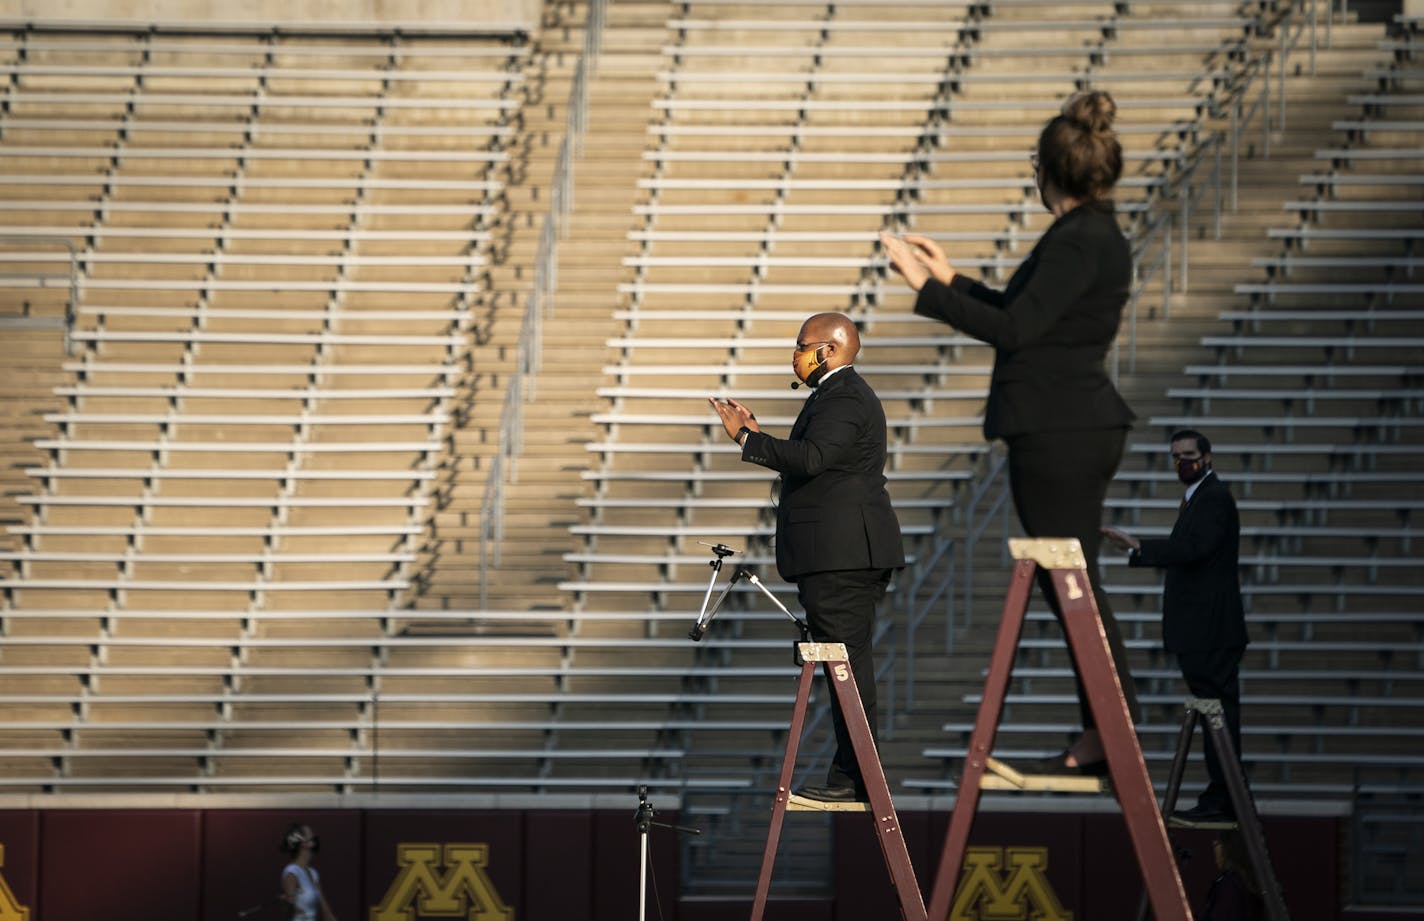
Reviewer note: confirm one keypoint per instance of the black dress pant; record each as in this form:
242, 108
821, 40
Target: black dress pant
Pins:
1059, 481
840, 608
1216, 673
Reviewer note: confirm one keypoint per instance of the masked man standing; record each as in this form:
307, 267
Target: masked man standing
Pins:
837, 536
1203, 619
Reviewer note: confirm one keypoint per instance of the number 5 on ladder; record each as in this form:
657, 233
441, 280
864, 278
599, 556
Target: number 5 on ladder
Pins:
887, 823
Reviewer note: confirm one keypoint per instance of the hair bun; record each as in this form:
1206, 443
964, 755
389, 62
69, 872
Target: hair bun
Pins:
1093, 109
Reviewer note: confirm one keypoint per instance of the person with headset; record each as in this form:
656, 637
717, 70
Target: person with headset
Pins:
301, 887
837, 536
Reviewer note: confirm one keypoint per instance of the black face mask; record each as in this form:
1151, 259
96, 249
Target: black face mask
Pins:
1189, 470
315, 844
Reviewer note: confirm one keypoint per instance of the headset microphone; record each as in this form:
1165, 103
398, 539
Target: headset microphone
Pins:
795, 385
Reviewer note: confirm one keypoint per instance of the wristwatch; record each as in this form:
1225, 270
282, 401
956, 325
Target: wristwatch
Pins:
742, 434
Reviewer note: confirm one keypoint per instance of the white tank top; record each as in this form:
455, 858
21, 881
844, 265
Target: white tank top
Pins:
308, 897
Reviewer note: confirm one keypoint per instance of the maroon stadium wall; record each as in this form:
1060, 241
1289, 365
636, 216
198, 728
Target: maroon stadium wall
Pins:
77, 864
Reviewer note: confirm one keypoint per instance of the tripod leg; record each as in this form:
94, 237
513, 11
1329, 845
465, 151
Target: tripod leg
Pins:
783, 790
643, 877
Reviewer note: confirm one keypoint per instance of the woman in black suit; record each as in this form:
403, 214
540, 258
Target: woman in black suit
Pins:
1050, 397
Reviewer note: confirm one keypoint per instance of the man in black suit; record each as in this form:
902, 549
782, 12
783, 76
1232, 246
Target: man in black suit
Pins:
837, 536
1203, 621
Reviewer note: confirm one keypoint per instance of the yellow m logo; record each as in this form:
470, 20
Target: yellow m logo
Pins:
10, 907
1006, 884
464, 890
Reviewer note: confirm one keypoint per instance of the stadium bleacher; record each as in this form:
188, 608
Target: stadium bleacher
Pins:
250, 509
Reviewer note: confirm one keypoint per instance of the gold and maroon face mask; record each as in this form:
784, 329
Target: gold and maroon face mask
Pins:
808, 363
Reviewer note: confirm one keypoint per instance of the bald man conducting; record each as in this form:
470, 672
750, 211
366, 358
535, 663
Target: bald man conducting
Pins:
837, 536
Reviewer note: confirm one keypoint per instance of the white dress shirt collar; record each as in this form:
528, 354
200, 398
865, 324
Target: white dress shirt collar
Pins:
1191, 490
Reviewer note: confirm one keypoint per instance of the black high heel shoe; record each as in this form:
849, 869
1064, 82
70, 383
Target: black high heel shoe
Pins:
1058, 765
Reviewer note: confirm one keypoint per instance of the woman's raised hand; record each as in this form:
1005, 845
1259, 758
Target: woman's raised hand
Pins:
917, 258
931, 256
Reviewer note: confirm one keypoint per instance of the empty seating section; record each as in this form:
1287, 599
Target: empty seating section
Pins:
780, 139
284, 242
281, 243
1313, 401
786, 135
762, 207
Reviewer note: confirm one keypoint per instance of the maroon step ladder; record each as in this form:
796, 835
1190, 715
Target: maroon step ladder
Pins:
1063, 559
1248, 822
881, 807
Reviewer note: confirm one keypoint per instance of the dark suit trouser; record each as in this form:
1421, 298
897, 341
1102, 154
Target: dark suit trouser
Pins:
1059, 481
840, 608
1216, 673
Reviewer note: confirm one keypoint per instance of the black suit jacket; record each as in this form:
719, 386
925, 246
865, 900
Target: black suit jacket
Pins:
834, 512
1051, 328
1201, 593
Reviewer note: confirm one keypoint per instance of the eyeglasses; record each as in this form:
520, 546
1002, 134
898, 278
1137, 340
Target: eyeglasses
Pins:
808, 346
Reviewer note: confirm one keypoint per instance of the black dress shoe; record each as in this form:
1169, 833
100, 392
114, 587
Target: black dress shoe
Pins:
1204, 814
1058, 765
830, 793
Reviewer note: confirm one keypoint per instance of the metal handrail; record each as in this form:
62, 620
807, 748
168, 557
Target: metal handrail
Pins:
538, 305
71, 306
974, 532
1165, 230
943, 589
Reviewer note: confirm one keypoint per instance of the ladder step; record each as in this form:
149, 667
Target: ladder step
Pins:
1174, 822
796, 803
1004, 777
